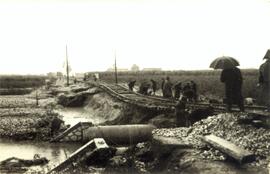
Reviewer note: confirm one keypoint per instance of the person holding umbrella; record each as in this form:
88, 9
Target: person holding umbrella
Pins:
232, 78
264, 80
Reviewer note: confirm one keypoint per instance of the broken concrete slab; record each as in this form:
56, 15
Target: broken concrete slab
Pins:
239, 154
93, 151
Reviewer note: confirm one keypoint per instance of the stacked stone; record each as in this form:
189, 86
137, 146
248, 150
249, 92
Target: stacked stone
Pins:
21, 112
16, 102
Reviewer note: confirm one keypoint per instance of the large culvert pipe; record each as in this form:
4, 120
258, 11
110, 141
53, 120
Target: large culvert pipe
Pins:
120, 134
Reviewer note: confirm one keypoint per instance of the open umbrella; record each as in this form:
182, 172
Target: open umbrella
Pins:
224, 62
267, 55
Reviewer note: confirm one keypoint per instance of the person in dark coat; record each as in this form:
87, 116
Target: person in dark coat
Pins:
181, 114
162, 86
194, 88
188, 92
264, 81
233, 87
177, 90
154, 86
131, 85
143, 89
167, 89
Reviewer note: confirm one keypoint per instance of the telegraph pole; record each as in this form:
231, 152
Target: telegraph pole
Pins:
67, 68
115, 68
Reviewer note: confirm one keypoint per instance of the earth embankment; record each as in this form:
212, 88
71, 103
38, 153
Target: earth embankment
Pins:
101, 105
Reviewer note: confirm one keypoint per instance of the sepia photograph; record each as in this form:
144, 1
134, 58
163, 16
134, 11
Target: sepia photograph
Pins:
134, 86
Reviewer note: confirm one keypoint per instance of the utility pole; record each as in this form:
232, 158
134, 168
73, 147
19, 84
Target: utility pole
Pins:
36, 96
67, 68
115, 68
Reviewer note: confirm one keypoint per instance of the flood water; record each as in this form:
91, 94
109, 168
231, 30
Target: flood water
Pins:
55, 152
74, 115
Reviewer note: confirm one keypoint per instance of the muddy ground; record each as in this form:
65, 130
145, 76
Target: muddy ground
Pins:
30, 121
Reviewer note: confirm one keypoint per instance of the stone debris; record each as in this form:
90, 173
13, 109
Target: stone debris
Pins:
35, 125
16, 102
226, 125
21, 119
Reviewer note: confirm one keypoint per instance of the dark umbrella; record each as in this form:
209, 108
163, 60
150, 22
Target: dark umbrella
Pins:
267, 55
224, 62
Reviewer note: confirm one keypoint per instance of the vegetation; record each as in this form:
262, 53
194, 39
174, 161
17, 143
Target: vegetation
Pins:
208, 81
18, 84
19, 81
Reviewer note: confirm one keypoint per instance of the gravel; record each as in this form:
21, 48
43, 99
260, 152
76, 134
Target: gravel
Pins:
226, 125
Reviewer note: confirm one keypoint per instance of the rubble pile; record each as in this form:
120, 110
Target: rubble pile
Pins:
227, 126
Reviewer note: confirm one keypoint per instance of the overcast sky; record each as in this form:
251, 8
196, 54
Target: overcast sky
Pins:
170, 34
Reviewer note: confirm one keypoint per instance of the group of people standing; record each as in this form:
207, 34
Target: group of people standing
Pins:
180, 90
231, 77
184, 91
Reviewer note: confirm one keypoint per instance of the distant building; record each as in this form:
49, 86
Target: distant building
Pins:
135, 68
151, 69
118, 69
79, 75
52, 74
59, 74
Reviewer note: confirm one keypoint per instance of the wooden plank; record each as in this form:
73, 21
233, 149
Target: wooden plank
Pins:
237, 153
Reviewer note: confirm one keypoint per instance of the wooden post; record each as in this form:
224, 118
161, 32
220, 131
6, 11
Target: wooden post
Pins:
115, 68
67, 68
37, 96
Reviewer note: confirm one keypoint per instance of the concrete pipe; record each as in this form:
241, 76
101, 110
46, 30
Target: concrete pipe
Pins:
120, 134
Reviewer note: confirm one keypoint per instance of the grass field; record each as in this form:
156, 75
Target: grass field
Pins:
19, 85
19, 81
208, 81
